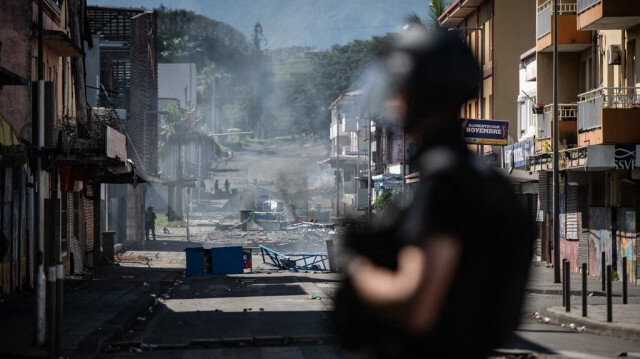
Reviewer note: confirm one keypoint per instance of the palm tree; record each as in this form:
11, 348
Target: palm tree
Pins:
436, 8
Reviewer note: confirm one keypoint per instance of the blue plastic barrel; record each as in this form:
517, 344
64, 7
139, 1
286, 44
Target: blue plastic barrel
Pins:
227, 260
195, 261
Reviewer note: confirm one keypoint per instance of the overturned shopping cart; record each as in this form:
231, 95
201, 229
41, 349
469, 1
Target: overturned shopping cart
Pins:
294, 261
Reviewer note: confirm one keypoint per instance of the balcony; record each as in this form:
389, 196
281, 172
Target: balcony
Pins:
456, 14
607, 14
609, 115
567, 129
587, 158
569, 38
90, 141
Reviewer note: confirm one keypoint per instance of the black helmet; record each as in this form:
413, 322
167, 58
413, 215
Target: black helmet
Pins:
434, 70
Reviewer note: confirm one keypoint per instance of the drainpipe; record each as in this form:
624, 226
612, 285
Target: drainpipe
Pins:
38, 141
596, 60
623, 67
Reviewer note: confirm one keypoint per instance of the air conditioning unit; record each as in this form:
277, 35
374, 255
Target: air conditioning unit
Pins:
614, 55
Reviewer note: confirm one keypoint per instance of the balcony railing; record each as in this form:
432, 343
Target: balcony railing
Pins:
350, 150
583, 5
545, 15
565, 111
591, 104
544, 19
89, 137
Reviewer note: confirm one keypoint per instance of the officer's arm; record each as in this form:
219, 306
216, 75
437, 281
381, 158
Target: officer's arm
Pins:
414, 293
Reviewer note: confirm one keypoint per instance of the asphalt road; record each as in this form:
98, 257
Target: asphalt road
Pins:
285, 315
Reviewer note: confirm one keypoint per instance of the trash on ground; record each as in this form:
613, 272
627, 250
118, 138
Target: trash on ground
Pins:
148, 346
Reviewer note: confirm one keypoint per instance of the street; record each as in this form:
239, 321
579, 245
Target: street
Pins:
284, 314
281, 314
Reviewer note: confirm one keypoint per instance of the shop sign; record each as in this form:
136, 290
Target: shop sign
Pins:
485, 132
516, 155
392, 184
626, 157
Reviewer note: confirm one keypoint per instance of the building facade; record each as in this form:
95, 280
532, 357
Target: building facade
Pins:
598, 132
82, 148
126, 77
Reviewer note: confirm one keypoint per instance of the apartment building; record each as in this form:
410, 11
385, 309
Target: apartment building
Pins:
599, 131
124, 69
350, 147
82, 148
498, 32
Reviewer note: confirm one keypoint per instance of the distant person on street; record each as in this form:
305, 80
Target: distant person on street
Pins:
443, 277
150, 222
226, 185
216, 188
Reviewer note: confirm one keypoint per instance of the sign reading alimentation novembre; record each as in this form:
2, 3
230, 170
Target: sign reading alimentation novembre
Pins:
485, 132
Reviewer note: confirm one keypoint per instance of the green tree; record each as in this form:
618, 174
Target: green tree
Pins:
436, 8
340, 70
381, 201
220, 52
306, 82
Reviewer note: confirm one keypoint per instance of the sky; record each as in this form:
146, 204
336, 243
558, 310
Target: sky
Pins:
315, 23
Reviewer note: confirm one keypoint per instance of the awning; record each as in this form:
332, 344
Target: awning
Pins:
455, 14
185, 182
518, 175
121, 178
8, 78
344, 160
12, 152
123, 174
72, 178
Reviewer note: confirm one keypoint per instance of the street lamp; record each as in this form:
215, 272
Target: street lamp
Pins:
556, 181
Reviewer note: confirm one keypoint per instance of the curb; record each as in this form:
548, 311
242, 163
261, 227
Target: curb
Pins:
557, 316
230, 342
574, 293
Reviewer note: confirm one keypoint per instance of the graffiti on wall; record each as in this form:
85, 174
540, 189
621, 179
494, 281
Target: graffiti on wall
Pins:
570, 250
599, 238
626, 237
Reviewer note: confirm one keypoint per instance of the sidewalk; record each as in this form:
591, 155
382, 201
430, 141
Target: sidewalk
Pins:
97, 307
626, 317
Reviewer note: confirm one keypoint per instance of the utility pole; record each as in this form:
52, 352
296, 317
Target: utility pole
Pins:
358, 167
556, 181
337, 164
369, 171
